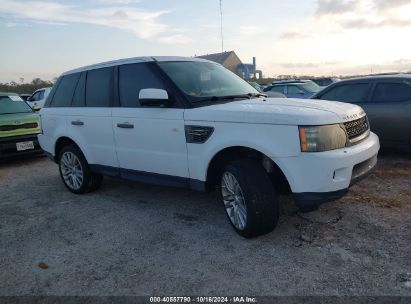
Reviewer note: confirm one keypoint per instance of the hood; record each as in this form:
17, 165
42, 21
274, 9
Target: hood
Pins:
19, 124
282, 111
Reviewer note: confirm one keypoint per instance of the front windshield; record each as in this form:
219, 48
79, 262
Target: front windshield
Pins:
202, 80
311, 86
10, 106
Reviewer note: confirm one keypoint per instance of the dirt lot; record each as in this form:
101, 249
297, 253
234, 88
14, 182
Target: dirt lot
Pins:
133, 239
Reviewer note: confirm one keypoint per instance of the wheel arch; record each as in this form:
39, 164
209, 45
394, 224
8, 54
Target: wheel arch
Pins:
61, 142
230, 153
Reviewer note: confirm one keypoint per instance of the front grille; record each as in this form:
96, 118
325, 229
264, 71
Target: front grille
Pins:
31, 125
357, 127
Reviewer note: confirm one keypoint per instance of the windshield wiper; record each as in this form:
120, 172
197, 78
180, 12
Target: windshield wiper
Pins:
228, 97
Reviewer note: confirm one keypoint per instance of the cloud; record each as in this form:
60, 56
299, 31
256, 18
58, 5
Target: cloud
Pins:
366, 24
390, 4
295, 35
119, 1
142, 23
299, 65
364, 14
309, 65
335, 7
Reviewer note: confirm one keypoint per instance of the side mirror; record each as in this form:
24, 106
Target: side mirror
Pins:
154, 98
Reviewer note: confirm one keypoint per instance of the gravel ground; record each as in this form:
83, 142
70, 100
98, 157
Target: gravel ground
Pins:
133, 239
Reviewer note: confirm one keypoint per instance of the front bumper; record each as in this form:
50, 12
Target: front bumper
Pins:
319, 177
8, 148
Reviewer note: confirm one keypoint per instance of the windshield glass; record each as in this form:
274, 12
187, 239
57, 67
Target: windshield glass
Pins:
9, 106
311, 86
200, 80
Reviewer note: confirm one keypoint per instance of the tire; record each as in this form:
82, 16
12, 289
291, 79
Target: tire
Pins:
96, 181
75, 171
259, 198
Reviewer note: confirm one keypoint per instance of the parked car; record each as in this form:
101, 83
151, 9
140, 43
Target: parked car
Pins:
24, 96
191, 123
256, 86
37, 99
294, 88
325, 81
385, 99
273, 94
19, 127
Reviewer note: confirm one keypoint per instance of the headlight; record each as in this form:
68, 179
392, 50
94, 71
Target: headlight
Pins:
322, 138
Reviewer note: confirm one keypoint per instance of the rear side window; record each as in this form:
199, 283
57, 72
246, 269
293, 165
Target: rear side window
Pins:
133, 78
356, 92
65, 91
392, 92
79, 98
99, 87
279, 89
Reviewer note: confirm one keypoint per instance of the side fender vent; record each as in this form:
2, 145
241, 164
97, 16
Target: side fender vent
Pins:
198, 134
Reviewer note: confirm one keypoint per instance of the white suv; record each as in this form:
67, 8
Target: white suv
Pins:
38, 98
191, 123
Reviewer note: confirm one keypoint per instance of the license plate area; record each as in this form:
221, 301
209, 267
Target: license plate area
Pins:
25, 145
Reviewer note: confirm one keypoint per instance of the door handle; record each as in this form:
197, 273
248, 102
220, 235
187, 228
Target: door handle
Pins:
125, 125
77, 123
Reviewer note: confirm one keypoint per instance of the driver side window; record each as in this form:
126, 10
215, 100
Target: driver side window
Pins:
347, 93
132, 78
292, 89
35, 97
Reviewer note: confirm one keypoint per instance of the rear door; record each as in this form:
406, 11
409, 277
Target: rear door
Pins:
389, 110
148, 139
89, 120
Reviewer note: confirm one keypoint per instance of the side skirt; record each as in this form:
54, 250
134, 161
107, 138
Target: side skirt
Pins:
150, 178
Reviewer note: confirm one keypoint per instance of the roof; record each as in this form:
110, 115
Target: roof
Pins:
380, 77
132, 60
288, 82
217, 57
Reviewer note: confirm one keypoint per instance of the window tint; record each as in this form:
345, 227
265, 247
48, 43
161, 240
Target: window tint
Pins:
98, 87
356, 92
392, 92
133, 78
294, 90
279, 89
65, 91
79, 98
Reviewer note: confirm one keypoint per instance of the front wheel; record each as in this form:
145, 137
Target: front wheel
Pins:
75, 171
249, 198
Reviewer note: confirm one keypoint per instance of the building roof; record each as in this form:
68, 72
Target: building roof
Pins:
217, 57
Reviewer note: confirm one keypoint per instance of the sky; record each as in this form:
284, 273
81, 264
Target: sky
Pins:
304, 37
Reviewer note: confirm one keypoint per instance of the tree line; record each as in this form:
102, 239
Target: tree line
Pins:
25, 88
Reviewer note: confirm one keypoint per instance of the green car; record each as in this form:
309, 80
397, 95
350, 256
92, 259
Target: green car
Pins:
19, 126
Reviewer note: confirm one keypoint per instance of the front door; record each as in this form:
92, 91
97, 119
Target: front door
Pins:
150, 141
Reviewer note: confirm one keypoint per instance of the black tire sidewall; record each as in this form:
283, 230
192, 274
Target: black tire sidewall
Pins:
259, 194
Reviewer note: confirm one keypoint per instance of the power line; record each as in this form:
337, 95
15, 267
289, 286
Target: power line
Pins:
221, 27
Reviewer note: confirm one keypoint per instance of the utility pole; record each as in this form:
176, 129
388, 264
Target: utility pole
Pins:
221, 27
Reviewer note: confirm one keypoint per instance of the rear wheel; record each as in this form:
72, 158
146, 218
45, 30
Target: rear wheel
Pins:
75, 171
249, 198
